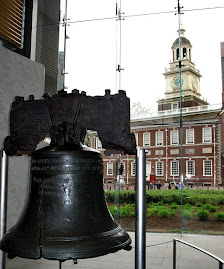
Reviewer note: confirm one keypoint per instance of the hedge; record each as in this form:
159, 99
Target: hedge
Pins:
193, 197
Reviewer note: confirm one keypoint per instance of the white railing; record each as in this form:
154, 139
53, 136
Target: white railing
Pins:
176, 69
185, 110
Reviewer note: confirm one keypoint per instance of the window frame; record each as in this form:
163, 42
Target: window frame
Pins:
110, 168
159, 138
187, 168
133, 168
204, 135
136, 138
98, 143
148, 167
204, 168
188, 136
172, 168
159, 168
144, 140
172, 138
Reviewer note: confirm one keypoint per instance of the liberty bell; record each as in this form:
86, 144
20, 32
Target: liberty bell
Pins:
66, 215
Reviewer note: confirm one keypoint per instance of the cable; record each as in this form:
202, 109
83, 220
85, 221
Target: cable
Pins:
132, 15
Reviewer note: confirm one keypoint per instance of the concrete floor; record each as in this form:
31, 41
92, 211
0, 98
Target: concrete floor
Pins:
159, 254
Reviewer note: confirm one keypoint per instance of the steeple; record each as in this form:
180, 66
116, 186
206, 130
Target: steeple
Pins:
182, 30
190, 76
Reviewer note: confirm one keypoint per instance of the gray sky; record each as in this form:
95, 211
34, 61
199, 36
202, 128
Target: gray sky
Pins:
93, 46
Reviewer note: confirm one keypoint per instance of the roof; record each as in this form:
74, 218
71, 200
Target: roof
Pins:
183, 40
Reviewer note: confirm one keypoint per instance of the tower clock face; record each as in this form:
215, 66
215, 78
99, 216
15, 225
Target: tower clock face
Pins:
175, 83
194, 84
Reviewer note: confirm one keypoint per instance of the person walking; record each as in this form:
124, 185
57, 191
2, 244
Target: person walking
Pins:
166, 185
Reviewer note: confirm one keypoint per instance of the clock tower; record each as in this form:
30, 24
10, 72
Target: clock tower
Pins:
190, 78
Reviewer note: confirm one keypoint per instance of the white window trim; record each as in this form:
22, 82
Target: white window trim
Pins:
136, 138
171, 166
187, 167
157, 133
111, 167
146, 142
148, 168
172, 138
133, 172
160, 175
98, 143
203, 136
187, 136
204, 168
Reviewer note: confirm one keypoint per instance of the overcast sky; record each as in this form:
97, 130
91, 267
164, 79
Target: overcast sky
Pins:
93, 46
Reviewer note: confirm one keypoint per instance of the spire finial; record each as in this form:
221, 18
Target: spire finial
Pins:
181, 29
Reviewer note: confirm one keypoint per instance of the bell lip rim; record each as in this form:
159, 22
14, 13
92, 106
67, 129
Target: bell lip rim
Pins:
41, 253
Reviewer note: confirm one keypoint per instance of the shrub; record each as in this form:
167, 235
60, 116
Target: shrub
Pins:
174, 205
163, 213
203, 215
187, 206
187, 214
127, 211
209, 207
193, 197
219, 216
151, 211
173, 214
123, 212
113, 210
198, 204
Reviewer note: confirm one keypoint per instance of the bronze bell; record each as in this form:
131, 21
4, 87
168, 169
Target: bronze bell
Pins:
66, 216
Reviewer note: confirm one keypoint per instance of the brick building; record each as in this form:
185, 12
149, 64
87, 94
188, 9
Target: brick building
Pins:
195, 148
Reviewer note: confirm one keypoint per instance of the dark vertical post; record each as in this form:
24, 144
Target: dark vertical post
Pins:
140, 218
3, 169
174, 253
220, 265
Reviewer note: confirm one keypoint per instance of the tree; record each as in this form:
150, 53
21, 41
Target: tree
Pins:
138, 110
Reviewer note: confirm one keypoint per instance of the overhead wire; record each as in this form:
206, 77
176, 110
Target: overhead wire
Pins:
132, 15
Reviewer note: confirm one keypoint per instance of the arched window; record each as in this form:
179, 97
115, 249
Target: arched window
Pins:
190, 54
184, 53
177, 54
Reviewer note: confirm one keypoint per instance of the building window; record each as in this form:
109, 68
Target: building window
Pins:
159, 138
177, 54
133, 168
136, 138
174, 106
174, 139
98, 143
190, 168
148, 170
11, 21
207, 135
190, 136
159, 168
207, 168
110, 169
146, 139
184, 53
174, 168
